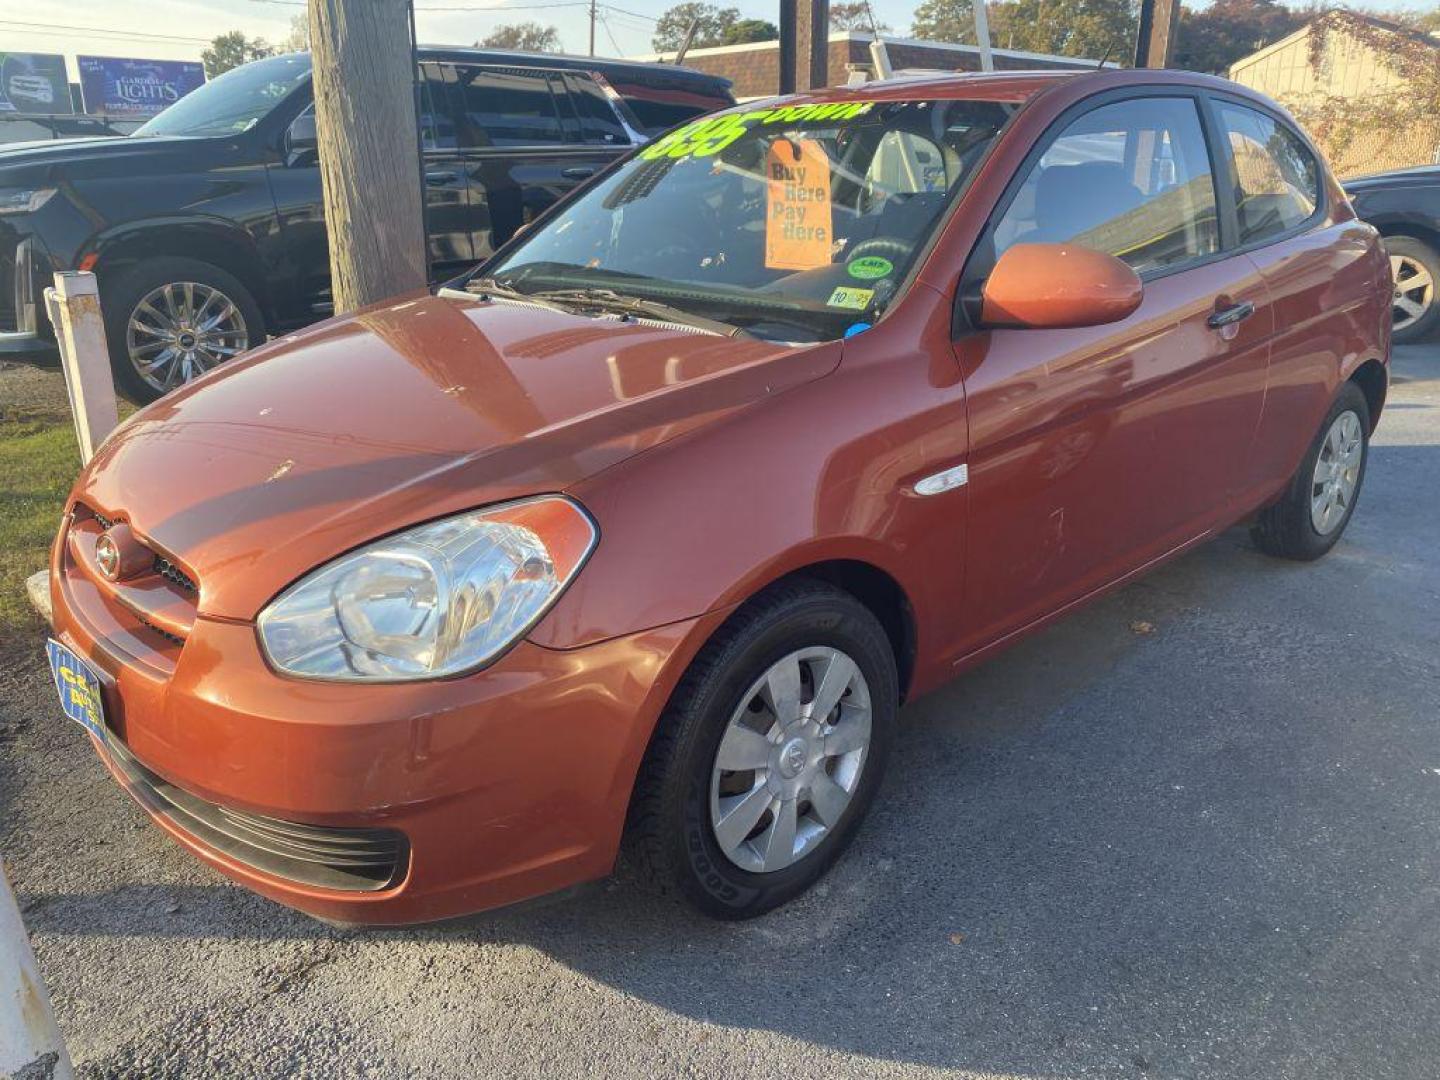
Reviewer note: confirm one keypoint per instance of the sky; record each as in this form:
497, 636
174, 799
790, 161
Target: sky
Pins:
180, 29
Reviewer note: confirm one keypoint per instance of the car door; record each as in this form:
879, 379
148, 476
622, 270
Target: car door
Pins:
300, 201
1319, 268
1096, 450
523, 145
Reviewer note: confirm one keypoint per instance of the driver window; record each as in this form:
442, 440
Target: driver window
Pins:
1131, 179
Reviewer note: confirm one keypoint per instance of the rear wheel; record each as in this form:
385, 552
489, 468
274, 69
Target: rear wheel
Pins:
1312, 514
170, 320
769, 754
1415, 296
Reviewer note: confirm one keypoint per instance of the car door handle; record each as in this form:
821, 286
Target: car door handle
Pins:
438, 178
578, 172
1229, 316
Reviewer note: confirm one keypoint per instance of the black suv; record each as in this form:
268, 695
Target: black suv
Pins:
205, 225
1405, 206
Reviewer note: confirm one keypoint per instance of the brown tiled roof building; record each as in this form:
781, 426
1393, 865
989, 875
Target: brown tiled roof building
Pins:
755, 68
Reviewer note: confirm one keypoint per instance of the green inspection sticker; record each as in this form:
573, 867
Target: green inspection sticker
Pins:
856, 299
870, 267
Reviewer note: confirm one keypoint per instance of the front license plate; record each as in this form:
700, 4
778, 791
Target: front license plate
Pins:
79, 689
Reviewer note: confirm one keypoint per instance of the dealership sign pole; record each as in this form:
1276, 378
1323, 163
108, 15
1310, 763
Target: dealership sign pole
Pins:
74, 308
30, 1042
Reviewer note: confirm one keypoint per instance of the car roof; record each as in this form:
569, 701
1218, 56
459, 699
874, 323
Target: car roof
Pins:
1012, 86
653, 74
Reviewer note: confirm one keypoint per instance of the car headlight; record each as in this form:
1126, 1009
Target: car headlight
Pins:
23, 200
437, 600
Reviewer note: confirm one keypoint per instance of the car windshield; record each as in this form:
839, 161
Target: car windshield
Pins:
233, 103
795, 223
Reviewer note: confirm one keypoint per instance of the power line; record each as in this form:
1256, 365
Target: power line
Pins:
96, 31
611, 35
485, 9
636, 14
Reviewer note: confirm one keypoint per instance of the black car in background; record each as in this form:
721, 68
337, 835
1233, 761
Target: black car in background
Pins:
205, 226
1405, 206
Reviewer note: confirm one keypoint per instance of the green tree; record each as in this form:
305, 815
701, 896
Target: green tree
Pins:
1089, 28
1214, 38
298, 39
945, 20
713, 22
525, 36
853, 16
746, 30
232, 49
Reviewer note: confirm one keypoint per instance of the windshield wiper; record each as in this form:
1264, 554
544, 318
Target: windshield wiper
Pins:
481, 288
609, 300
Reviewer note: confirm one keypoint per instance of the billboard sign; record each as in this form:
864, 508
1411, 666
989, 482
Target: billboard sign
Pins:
139, 88
34, 83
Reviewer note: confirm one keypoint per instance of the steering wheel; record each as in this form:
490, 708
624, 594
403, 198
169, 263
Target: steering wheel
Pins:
889, 247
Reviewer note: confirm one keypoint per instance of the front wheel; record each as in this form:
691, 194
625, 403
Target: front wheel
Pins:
1312, 514
769, 754
170, 320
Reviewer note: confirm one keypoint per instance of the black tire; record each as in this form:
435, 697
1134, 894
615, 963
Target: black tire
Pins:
1425, 327
1287, 528
122, 294
669, 839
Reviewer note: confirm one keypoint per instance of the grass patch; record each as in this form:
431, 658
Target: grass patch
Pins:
38, 463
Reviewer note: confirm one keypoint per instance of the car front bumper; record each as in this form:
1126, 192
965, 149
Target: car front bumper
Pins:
492, 788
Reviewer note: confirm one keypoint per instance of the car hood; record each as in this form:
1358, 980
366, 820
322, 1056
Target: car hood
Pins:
39, 158
318, 442
1419, 174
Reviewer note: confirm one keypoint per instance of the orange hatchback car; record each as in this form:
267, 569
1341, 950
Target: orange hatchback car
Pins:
640, 535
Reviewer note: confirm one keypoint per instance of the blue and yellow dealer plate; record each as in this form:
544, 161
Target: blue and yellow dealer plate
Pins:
79, 689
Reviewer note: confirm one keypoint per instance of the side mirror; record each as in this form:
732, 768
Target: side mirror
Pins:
1053, 286
300, 139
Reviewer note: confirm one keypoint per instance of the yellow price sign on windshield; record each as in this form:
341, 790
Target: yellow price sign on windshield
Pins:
798, 228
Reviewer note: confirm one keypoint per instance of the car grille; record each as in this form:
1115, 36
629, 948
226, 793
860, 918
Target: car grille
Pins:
162, 602
348, 859
173, 574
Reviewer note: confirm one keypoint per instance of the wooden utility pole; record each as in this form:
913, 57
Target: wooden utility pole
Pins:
788, 48
804, 45
592, 27
1156, 34
363, 56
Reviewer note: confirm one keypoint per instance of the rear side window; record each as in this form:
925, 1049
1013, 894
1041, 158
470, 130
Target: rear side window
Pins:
598, 122
657, 109
1277, 181
503, 107
1131, 179
437, 125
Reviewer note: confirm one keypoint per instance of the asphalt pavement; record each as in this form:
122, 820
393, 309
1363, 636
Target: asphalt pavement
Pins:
1188, 832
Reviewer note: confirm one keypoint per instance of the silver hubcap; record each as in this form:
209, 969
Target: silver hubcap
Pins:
1337, 473
182, 329
1414, 291
790, 759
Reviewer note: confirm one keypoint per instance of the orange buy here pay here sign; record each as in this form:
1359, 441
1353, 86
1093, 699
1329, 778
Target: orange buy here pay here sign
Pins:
798, 234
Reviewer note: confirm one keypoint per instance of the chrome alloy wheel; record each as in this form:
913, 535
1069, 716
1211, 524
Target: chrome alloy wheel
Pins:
790, 759
181, 329
1414, 291
1337, 473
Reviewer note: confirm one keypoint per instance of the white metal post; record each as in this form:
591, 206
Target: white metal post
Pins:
30, 1042
982, 35
74, 306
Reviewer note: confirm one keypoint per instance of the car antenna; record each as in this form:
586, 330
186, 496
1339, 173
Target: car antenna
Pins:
1108, 50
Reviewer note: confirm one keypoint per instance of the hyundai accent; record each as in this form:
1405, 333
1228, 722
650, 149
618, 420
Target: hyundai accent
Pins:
639, 535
